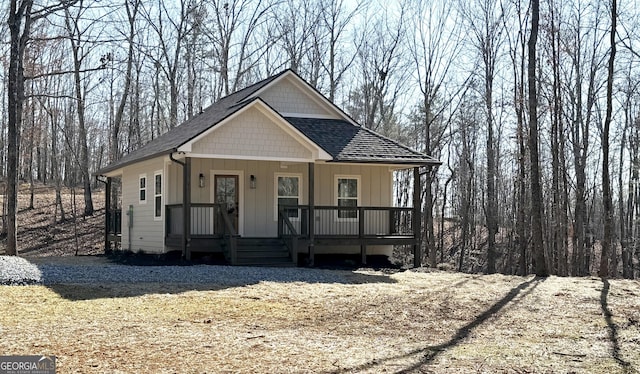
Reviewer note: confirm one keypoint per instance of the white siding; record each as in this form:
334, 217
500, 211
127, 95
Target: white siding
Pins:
251, 134
258, 204
146, 234
285, 97
375, 183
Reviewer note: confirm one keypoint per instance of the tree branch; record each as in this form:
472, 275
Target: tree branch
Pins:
55, 73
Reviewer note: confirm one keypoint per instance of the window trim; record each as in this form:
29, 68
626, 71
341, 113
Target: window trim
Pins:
145, 188
156, 194
358, 198
276, 196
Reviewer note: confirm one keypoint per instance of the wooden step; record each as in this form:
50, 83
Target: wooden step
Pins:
261, 241
263, 252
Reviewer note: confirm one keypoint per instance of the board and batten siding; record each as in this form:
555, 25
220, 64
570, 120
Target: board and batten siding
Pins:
257, 205
251, 134
147, 234
376, 185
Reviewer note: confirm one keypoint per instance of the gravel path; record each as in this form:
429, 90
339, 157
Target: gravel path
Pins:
20, 271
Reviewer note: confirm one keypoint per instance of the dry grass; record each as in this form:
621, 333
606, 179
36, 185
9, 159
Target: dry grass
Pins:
405, 322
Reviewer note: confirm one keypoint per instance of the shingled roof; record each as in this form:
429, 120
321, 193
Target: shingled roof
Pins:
348, 143
212, 115
343, 140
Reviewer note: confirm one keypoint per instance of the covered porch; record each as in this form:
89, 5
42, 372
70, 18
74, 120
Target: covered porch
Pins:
300, 228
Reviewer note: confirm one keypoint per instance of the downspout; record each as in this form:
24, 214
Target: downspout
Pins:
186, 216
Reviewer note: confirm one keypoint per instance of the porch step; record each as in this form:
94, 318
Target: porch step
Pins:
263, 252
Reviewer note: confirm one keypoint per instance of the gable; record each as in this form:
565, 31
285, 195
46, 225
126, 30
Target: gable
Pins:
287, 98
251, 134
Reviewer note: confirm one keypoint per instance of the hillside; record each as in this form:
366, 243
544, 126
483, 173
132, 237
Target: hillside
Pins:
38, 235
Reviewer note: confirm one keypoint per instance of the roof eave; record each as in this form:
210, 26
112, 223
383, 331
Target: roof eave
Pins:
110, 171
402, 162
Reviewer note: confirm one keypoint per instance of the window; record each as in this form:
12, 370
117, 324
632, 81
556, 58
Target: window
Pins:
288, 190
157, 195
142, 187
348, 192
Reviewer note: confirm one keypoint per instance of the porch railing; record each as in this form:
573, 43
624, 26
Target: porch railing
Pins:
355, 222
229, 234
288, 233
207, 221
114, 221
203, 220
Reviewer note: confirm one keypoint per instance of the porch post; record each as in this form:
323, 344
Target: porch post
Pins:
107, 215
417, 219
186, 208
311, 219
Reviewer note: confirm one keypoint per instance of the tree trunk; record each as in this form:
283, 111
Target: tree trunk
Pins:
114, 152
75, 38
490, 208
536, 189
624, 239
82, 134
633, 209
606, 180
19, 35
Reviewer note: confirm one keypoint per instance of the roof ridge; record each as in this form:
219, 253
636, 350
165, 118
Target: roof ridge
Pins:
251, 89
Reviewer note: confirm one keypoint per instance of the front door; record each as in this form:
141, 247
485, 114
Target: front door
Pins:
227, 194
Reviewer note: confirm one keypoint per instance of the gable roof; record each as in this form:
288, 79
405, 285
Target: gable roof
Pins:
342, 139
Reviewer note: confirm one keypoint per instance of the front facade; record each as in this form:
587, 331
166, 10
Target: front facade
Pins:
274, 163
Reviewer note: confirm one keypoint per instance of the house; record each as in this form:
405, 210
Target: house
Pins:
265, 174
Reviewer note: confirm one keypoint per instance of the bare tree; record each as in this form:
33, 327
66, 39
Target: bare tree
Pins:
486, 25
232, 31
558, 241
381, 70
21, 17
627, 203
434, 47
517, 54
606, 180
335, 19
582, 45
131, 7
296, 22
536, 188
171, 30
467, 121
78, 37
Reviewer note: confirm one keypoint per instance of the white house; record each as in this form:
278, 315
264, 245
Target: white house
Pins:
267, 173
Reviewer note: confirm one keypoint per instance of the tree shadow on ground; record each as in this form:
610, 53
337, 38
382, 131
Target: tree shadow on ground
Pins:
430, 353
613, 328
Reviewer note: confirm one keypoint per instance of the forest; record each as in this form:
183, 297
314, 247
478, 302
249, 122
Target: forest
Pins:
533, 107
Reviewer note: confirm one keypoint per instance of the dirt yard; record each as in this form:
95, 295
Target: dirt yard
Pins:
39, 234
376, 322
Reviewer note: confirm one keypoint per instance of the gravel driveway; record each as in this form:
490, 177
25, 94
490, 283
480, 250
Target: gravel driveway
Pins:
21, 271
